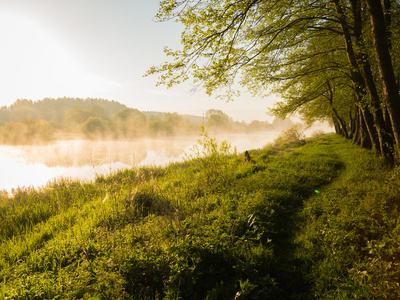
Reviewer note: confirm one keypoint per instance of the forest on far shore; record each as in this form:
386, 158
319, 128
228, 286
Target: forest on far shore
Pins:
28, 122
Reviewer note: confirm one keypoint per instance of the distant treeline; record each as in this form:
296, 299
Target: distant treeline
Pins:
27, 121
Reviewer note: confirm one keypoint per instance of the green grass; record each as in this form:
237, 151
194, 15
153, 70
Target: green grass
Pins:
215, 227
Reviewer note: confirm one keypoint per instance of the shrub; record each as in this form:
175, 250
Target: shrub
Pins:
294, 135
212, 161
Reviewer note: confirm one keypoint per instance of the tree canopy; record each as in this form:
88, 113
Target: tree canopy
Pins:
333, 60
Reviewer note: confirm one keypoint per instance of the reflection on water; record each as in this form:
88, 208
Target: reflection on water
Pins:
78, 153
37, 165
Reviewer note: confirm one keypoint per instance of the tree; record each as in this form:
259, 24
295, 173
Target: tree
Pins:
268, 45
217, 120
319, 86
76, 115
98, 111
94, 127
390, 89
4, 115
225, 38
256, 125
130, 122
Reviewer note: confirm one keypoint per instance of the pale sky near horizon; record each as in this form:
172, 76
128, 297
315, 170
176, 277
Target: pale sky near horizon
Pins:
98, 49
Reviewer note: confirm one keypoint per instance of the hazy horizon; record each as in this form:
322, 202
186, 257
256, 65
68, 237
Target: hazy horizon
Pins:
99, 49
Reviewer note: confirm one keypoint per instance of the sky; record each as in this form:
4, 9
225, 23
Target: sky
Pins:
99, 49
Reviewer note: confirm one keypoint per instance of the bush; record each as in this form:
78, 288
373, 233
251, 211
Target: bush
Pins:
294, 135
212, 161
94, 127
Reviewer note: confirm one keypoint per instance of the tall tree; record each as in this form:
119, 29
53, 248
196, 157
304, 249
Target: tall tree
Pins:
359, 81
386, 71
293, 45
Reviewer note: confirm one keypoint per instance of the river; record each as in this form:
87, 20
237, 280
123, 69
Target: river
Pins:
35, 166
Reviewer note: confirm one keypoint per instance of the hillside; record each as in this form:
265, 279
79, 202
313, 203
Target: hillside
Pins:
50, 109
297, 221
28, 122
47, 120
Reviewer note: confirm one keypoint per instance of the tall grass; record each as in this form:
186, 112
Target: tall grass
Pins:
217, 226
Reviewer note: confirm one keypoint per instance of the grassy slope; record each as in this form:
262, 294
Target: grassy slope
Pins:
350, 235
219, 227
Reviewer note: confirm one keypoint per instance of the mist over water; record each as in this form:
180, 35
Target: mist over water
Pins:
83, 159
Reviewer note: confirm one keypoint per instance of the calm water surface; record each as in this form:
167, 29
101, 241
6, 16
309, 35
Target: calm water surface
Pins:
37, 165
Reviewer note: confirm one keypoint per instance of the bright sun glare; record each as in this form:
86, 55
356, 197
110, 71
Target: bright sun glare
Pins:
35, 65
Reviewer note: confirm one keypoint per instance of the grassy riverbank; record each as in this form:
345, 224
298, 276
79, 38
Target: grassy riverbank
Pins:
313, 221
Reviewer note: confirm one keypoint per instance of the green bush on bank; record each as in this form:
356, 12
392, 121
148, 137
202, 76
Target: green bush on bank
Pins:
295, 222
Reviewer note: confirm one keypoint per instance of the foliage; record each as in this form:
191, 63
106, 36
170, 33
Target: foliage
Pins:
258, 231
295, 134
52, 119
211, 160
328, 60
50, 109
217, 120
28, 130
129, 123
94, 127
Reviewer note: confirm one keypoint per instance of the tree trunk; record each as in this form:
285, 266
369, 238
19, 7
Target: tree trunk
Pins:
340, 123
371, 129
365, 137
358, 81
353, 123
361, 136
336, 125
387, 4
374, 99
357, 127
386, 72
385, 140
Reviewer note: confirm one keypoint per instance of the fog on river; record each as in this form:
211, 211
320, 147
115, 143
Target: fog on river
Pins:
36, 165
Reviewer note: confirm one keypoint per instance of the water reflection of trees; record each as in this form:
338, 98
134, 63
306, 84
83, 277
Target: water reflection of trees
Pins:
80, 153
